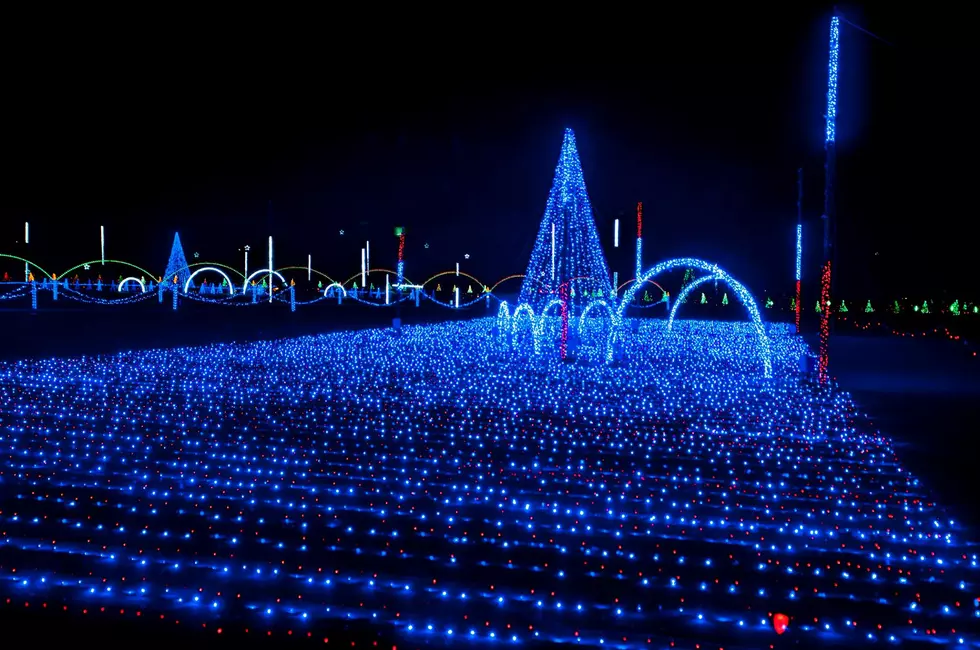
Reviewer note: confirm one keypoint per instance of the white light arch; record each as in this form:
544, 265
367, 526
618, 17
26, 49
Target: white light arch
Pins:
262, 272
332, 285
134, 279
187, 283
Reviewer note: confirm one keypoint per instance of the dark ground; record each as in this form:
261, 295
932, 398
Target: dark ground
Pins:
923, 393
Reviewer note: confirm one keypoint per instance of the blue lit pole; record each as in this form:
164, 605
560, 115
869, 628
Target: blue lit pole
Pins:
639, 241
830, 172
799, 244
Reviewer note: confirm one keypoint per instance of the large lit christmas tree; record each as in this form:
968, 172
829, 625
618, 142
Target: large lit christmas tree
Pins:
567, 258
177, 265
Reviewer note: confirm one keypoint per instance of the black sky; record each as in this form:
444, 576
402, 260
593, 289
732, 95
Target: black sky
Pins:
151, 124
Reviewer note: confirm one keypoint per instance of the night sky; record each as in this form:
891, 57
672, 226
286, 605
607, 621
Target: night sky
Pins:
157, 126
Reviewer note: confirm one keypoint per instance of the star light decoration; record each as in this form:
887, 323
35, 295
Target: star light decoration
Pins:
433, 485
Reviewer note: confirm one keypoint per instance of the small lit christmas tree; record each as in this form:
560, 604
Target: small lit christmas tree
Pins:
817, 307
704, 299
955, 308
769, 302
896, 308
646, 296
724, 298
868, 309
925, 307
843, 307
688, 278
792, 304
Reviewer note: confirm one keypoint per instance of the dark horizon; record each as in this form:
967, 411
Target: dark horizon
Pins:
706, 126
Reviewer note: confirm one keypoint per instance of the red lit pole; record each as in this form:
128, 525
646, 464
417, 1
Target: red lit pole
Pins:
563, 295
829, 204
401, 257
639, 240
799, 244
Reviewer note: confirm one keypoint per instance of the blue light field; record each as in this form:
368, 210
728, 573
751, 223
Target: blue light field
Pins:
449, 484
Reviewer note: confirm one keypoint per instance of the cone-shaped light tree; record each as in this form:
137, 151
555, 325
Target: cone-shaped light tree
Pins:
177, 265
567, 256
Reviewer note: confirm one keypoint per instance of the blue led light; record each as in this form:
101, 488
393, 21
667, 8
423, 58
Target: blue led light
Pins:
475, 493
799, 252
832, 68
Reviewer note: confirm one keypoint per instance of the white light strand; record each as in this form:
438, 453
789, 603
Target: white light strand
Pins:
552, 253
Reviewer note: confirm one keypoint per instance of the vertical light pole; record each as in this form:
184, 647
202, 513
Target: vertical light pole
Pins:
309, 267
27, 240
799, 244
639, 240
552, 253
363, 269
270, 268
247, 249
102, 241
400, 233
830, 171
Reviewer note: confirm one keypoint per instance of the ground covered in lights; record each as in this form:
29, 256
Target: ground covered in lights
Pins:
447, 483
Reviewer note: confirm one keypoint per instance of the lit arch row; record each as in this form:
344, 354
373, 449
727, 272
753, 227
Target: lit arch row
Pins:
231, 272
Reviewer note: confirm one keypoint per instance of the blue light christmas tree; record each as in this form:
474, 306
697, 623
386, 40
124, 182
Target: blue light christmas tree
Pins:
567, 255
176, 265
